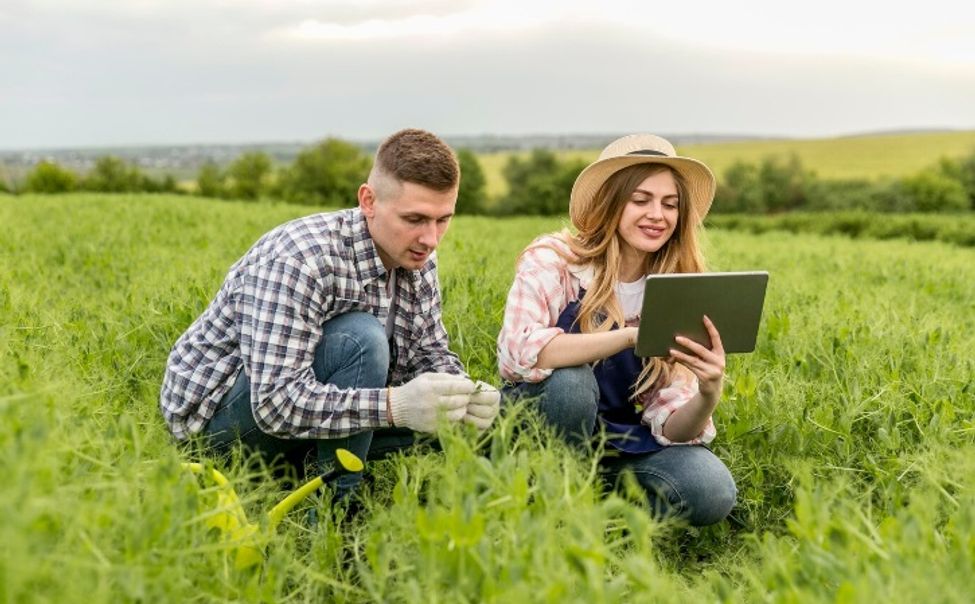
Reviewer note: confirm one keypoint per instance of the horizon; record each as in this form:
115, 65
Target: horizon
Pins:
699, 138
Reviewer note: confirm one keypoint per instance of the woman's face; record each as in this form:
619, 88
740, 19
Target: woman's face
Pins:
650, 216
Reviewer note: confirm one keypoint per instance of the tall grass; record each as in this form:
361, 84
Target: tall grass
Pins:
850, 431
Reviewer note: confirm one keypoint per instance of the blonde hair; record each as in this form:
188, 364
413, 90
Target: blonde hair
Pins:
597, 243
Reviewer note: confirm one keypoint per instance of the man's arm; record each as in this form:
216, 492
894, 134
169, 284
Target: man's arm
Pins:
433, 353
280, 310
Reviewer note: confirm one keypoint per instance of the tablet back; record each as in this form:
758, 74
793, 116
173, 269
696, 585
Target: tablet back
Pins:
674, 304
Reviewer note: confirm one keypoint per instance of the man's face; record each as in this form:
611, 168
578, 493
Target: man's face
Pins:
407, 226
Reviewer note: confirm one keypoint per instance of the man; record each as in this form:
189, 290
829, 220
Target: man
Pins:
328, 331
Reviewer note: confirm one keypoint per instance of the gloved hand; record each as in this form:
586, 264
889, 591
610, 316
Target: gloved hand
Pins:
415, 404
483, 406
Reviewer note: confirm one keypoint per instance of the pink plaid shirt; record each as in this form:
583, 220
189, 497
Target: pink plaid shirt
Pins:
544, 285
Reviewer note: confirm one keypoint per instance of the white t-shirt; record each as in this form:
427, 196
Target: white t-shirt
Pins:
630, 296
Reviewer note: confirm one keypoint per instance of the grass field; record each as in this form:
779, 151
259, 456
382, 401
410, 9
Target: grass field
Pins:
869, 157
850, 432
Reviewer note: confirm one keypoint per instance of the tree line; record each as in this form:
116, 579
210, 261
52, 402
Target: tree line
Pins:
329, 173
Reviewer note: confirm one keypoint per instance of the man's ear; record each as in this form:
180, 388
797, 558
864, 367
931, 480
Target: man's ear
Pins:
367, 200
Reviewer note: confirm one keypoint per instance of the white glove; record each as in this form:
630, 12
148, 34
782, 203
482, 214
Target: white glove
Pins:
417, 403
483, 406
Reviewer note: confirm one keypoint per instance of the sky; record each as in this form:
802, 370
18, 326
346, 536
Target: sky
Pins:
89, 73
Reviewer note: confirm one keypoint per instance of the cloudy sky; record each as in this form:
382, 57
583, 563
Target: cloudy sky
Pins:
119, 72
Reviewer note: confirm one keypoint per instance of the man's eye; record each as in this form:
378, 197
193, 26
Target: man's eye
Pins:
414, 220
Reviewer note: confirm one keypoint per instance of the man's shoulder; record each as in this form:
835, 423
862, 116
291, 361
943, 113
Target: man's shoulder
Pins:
310, 239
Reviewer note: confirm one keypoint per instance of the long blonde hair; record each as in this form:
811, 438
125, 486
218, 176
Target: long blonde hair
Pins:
597, 243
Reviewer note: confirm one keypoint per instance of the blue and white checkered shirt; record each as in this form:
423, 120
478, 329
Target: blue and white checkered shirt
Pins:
267, 318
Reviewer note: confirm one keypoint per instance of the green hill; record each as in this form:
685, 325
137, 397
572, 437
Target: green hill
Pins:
868, 156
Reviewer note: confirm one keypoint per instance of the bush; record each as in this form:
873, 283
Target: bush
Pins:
963, 171
772, 186
113, 175
740, 190
210, 181
933, 191
540, 184
249, 175
472, 196
48, 177
327, 174
783, 184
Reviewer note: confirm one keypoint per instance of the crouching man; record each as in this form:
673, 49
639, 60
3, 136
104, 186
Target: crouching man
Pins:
327, 333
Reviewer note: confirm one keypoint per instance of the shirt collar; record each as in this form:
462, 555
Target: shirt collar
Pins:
366, 258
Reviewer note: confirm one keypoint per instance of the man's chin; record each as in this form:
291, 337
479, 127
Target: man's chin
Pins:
414, 262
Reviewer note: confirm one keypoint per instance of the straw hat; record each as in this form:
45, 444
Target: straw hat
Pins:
641, 149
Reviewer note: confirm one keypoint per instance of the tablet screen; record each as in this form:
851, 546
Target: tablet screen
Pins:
675, 304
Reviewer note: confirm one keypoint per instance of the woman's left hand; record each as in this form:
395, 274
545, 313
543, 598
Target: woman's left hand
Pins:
707, 364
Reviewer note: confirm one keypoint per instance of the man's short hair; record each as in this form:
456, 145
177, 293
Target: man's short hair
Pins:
420, 157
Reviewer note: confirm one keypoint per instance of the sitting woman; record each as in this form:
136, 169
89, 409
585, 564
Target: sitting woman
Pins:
570, 326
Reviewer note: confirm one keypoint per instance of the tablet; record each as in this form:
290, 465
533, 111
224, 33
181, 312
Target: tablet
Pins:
674, 304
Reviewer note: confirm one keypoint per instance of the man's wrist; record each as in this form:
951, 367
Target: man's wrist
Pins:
389, 411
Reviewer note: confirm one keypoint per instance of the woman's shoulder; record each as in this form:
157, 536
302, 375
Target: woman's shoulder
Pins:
550, 248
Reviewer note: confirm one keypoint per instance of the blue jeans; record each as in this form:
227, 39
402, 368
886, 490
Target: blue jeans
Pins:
353, 353
685, 481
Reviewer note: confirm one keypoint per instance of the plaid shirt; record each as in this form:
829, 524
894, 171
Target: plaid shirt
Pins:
544, 286
268, 318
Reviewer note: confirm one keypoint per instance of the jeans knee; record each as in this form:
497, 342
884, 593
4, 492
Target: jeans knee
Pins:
570, 400
708, 494
688, 482
353, 340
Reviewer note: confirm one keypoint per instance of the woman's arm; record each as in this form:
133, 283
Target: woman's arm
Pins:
708, 365
570, 349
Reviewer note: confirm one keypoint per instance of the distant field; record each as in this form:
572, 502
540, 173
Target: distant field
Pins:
868, 157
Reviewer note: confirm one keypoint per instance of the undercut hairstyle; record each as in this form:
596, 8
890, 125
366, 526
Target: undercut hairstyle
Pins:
415, 156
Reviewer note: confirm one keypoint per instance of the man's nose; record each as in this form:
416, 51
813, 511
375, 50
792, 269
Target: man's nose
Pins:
428, 236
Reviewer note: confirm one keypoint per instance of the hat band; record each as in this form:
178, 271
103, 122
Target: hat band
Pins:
647, 152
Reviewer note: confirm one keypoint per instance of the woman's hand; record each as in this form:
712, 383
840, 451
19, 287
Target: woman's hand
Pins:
707, 364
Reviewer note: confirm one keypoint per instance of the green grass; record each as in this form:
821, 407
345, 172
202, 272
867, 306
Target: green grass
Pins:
868, 157
850, 432
957, 229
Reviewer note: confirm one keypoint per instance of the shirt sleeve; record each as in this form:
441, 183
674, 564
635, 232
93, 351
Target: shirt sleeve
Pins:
280, 312
662, 405
433, 352
535, 300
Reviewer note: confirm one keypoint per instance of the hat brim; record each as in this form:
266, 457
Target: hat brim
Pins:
699, 178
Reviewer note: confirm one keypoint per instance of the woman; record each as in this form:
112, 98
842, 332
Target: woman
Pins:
571, 319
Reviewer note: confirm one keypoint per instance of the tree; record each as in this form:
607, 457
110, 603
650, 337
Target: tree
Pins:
739, 190
933, 191
112, 175
962, 170
783, 184
327, 174
249, 175
472, 197
539, 184
210, 181
48, 177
